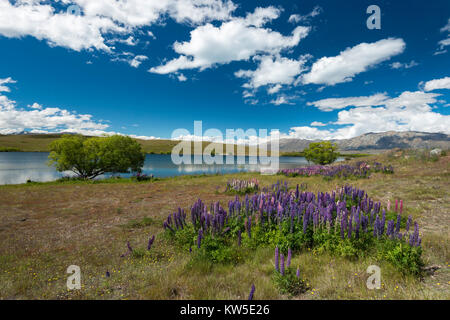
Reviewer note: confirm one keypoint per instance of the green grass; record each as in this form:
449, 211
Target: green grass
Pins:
46, 227
41, 143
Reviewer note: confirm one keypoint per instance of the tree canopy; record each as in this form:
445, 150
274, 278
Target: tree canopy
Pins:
89, 157
321, 152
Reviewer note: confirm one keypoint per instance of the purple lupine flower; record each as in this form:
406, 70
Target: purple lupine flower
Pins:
199, 238
277, 264
249, 227
408, 223
411, 240
190, 249
289, 257
298, 273
282, 265
397, 227
108, 274
252, 292
150, 242
130, 249
416, 233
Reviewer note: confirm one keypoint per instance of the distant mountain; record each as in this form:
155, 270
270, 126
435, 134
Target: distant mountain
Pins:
378, 142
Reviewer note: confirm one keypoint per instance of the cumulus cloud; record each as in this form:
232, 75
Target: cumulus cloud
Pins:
234, 40
273, 70
137, 60
3, 82
445, 42
296, 18
331, 104
35, 117
410, 111
406, 65
282, 100
350, 62
100, 19
317, 124
435, 84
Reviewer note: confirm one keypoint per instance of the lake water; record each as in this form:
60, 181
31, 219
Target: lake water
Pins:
18, 167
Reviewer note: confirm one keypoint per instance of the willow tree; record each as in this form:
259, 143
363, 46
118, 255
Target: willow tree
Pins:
321, 152
89, 157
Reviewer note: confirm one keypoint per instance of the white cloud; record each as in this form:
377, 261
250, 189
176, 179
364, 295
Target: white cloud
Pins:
181, 77
235, 40
39, 20
273, 70
36, 117
350, 62
274, 89
296, 18
137, 60
399, 65
331, 104
410, 111
282, 100
137, 13
445, 42
435, 84
317, 124
100, 19
4, 88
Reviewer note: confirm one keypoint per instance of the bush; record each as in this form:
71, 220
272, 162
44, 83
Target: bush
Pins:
321, 152
289, 283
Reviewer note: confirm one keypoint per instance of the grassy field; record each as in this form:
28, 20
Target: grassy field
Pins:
41, 143
45, 227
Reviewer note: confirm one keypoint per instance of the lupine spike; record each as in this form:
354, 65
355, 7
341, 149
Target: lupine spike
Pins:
150, 242
252, 292
289, 258
277, 264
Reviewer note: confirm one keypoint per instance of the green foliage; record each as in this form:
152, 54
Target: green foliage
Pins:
243, 191
135, 224
405, 258
289, 283
219, 250
321, 152
91, 157
9, 149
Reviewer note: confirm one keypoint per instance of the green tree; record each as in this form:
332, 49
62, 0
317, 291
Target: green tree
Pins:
321, 152
91, 157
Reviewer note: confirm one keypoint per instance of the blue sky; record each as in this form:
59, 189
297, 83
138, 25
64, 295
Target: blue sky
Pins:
311, 69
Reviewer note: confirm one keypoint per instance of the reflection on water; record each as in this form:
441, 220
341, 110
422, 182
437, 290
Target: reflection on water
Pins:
18, 167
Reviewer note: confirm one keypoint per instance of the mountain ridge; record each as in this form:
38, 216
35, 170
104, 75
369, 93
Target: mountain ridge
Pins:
374, 142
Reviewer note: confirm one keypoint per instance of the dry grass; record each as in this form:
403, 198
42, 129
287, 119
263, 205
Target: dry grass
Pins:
47, 227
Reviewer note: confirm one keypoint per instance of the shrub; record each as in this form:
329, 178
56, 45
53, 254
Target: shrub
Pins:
242, 187
321, 152
289, 283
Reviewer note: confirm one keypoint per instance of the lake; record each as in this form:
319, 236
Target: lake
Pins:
18, 167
